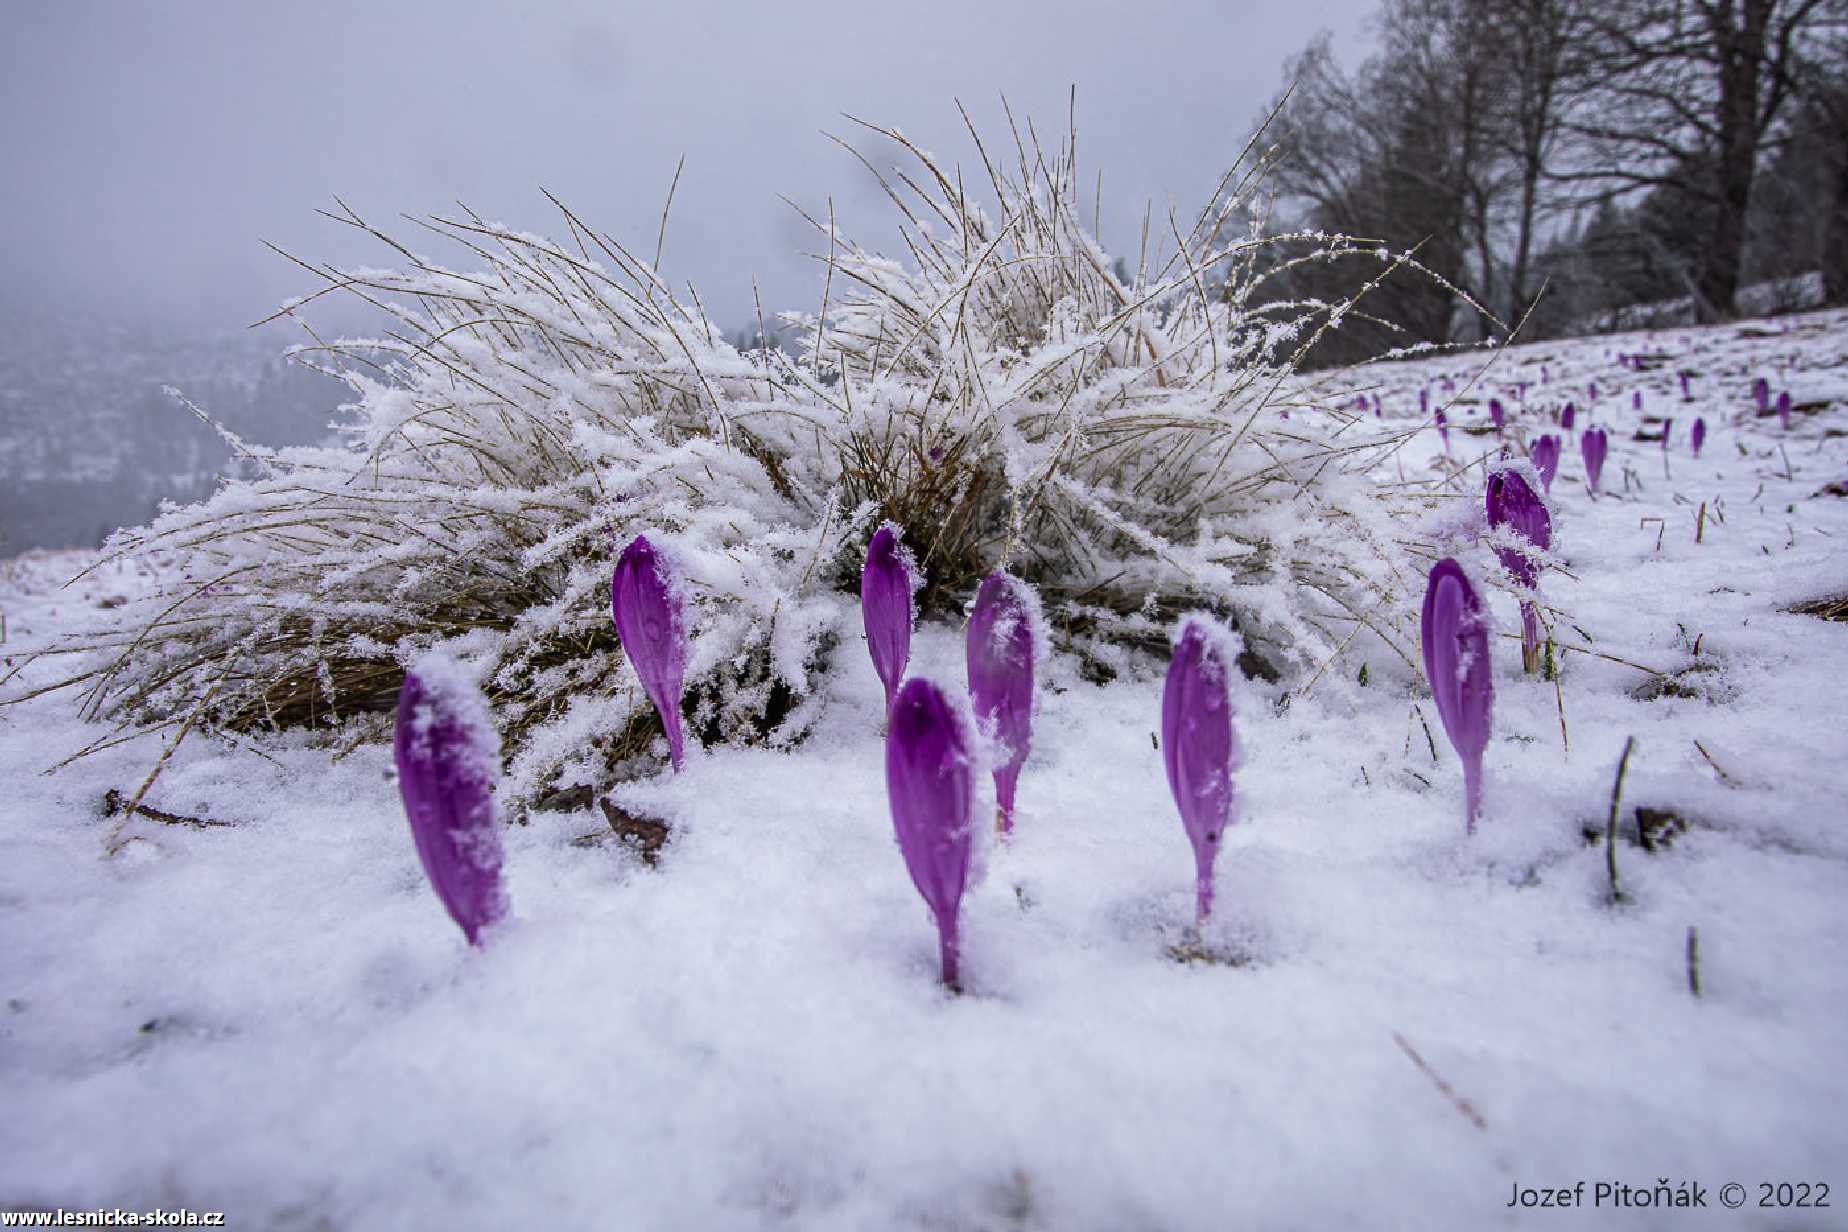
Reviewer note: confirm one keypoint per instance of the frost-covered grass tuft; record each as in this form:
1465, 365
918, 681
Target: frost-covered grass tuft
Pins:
1124, 443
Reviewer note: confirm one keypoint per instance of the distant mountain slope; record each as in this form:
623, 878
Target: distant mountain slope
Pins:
89, 441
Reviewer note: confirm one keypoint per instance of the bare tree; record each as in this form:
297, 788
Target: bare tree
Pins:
1688, 94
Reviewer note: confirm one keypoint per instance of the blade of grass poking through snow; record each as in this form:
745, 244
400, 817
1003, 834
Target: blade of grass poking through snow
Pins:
1005, 639
1455, 635
448, 756
930, 784
1513, 504
887, 582
648, 620
1198, 746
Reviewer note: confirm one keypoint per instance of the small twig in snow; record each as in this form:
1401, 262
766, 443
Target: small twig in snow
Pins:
1462, 1105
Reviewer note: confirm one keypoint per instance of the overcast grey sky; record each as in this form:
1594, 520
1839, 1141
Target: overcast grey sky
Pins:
149, 146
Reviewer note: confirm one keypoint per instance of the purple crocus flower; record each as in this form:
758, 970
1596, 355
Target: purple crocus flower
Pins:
1593, 446
448, 756
1699, 435
1198, 746
1783, 410
1545, 456
1636, 400
653, 633
1591, 390
930, 783
1001, 647
1513, 504
1761, 395
1454, 632
1443, 429
886, 585
1378, 411
1685, 395
1566, 416
1496, 413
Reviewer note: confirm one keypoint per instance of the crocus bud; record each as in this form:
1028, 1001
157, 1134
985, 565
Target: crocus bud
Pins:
1496, 413
1783, 410
1761, 395
448, 756
1685, 395
1567, 416
1545, 455
1591, 390
1516, 506
886, 584
653, 633
1636, 400
1699, 435
1443, 429
1198, 746
930, 783
1593, 445
1454, 632
1001, 647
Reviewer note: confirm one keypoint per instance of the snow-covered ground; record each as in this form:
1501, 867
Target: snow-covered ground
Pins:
276, 1019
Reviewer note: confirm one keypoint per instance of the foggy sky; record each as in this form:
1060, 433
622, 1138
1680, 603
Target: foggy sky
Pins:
147, 148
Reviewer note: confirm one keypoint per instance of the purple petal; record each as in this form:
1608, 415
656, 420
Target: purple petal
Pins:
653, 633
448, 756
1001, 649
1566, 416
1455, 640
930, 783
1593, 446
1198, 746
1699, 435
886, 585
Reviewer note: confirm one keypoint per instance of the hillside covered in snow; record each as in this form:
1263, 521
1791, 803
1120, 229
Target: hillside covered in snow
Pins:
257, 1006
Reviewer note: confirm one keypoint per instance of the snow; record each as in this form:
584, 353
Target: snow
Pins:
278, 1020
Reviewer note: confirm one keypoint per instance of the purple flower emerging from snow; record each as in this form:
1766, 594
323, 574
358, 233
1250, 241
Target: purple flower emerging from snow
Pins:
1545, 455
886, 583
1496, 413
1455, 637
1443, 429
1198, 746
1591, 390
1516, 506
1593, 446
1636, 400
653, 634
930, 782
1699, 435
1761, 395
1001, 650
1685, 395
448, 757
1783, 410
1567, 416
